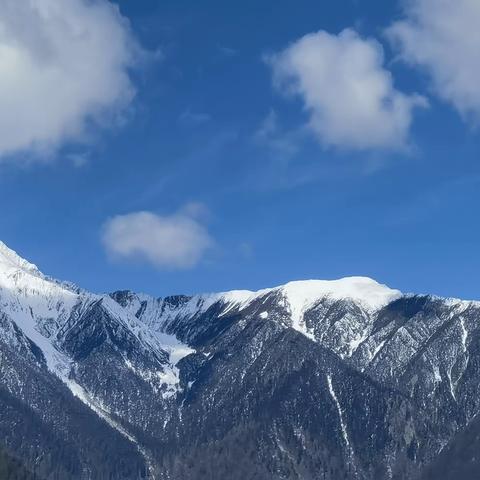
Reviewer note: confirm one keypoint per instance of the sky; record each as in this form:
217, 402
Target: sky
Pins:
179, 147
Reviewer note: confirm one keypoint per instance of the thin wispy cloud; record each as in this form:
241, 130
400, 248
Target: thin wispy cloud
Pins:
177, 241
281, 142
78, 159
63, 67
443, 38
192, 119
347, 93
227, 51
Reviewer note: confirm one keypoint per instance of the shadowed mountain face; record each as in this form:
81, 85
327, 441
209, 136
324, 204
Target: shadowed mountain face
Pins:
310, 380
12, 469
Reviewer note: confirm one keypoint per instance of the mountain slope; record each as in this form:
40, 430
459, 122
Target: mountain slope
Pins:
312, 379
12, 469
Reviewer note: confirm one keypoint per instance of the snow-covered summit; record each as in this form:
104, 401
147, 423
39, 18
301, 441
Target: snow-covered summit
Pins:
9, 259
301, 294
363, 290
20, 278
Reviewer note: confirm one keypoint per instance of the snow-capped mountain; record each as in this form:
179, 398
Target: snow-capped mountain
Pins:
310, 380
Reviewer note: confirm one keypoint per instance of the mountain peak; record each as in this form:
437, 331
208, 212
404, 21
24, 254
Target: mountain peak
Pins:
364, 290
10, 259
302, 293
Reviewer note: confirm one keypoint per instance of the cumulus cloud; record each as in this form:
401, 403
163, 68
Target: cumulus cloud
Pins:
178, 241
63, 66
443, 37
348, 94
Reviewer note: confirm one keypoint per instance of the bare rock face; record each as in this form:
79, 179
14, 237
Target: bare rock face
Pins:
311, 380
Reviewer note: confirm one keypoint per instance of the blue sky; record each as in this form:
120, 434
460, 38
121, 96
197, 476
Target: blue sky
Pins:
227, 147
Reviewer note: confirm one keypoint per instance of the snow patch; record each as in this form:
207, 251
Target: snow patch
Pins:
79, 392
339, 409
355, 343
175, 348
377, 349
342, 423
464, 336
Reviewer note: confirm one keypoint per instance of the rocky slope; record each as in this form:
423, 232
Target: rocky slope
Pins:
310, 380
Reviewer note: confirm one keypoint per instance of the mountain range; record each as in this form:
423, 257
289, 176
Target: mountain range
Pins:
312, 380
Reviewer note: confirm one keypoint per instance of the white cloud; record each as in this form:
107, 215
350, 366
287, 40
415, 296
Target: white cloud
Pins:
282, 142
443, 37
348, 94
63, 65
177, 241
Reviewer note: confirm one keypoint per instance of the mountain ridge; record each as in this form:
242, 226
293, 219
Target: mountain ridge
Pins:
348, 378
